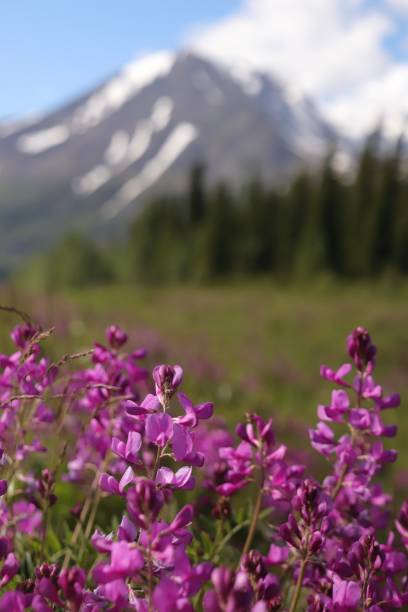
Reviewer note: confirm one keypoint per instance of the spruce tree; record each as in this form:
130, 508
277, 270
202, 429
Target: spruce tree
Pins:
219, 235
386, 225
197, 194
332, 215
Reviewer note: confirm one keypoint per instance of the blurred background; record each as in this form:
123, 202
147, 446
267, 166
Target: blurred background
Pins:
227, 179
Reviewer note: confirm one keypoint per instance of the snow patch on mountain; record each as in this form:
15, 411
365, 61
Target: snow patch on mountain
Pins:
249, 80
123, 151
118, 148
92, 181
162, 112
120, 89
178, 140
38, 142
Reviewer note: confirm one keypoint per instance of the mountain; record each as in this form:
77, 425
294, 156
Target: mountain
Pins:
92, 163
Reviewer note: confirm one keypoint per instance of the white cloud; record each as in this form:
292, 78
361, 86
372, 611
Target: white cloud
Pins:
383, 99
331, 49
398, 5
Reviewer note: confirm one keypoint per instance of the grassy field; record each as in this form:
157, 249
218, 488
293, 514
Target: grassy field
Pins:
247, 346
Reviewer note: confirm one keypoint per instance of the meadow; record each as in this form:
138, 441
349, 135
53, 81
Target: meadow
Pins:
251, 346
120, 492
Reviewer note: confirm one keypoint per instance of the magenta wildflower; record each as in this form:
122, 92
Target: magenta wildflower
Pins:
288, 543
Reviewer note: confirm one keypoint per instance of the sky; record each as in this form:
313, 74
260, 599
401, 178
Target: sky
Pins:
350, 56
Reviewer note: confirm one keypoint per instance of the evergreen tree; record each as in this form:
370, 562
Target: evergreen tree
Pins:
332, 215
400, 248
259, 219
197, 194
219, 244
363, 194
385, 222
77, 262
293, 210
311, 252
157, 242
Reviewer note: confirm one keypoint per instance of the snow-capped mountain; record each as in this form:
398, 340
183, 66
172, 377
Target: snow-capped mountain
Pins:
93, 162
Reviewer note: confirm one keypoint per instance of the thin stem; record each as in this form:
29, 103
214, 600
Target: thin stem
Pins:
340, 482
254, 520
90, 498
92, 515
156, 463
44, 531
296, 594
231, 534
150, 576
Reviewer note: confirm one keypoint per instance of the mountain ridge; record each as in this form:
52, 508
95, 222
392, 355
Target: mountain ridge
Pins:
92, 162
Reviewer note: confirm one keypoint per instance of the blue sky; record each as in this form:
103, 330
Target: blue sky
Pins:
350, 56
53, 49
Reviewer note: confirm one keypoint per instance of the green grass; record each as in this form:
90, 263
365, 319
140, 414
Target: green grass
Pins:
250, 346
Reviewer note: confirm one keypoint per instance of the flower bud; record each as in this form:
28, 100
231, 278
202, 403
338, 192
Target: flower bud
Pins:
361, 349
144, 502
167, 378
116, 336
47, 570
22, 334
253, 563
316, 542
72, 582
223, 579
222, 509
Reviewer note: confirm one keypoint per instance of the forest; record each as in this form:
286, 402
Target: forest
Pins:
349, 226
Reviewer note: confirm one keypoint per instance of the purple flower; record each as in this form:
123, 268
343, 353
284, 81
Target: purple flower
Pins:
256, 431
144, 502
110, 485
168, 598
346, 595
322, 439
159, 428
43, 414
128, 450
339, 406
402, 523
336, 376
9, 569
27, 517
167, 378
124, 562
231, 592
72, 583
116, 336
22, 334
277, 555
239, 462
12, 601
182, 479
182, 442
193, 414
361, 349
149, 405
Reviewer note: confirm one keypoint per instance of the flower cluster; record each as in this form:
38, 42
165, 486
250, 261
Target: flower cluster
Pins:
118, 492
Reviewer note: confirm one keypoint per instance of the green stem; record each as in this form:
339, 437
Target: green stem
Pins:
92, 515
44, 532
340, 481
150, 577
156, 463
298, 589
254, 520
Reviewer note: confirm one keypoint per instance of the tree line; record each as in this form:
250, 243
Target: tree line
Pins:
353, 226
